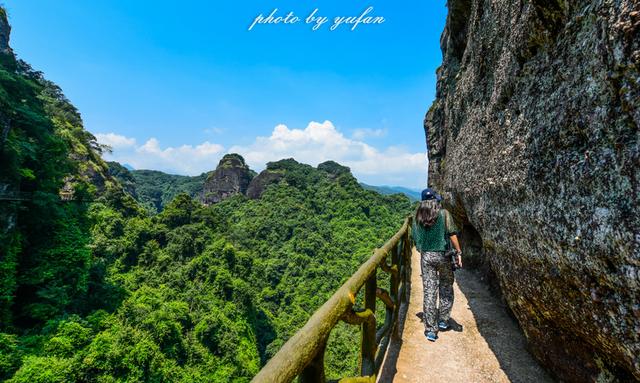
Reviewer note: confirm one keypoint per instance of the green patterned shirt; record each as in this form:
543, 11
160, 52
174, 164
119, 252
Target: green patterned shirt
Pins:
433, 238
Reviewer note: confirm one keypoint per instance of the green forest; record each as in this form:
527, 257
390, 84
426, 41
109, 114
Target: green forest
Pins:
154, 189
135, 280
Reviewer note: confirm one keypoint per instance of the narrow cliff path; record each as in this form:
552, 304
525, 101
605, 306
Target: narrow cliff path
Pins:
484, 344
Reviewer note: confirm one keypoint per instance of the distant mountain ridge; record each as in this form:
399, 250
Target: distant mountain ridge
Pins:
414, 195
154, 189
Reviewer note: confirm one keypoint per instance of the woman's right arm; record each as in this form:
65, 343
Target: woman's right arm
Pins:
452, 229
456, 245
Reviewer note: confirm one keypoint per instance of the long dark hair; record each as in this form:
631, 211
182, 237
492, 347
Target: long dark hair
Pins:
427, 212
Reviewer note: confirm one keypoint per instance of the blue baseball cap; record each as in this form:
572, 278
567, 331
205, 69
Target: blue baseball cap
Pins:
428, 194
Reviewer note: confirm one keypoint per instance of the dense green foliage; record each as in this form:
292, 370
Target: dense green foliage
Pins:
210, 293
155, 189
97, 289
43, 148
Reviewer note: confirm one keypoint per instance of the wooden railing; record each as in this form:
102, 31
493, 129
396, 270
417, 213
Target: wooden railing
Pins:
303, 354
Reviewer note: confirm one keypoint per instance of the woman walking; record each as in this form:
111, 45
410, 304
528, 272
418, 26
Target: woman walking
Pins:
432, 227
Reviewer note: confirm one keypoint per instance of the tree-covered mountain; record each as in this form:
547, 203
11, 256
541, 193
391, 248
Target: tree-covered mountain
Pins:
413, 195
209, 293
46, 156
155, 189
94, 288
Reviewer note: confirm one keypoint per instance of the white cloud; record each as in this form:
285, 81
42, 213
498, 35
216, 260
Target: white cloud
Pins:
115, 141
316, 143
320, 142
185, 159
214, 130
361, 134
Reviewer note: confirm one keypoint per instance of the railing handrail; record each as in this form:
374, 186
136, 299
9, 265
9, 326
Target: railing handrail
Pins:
308, 343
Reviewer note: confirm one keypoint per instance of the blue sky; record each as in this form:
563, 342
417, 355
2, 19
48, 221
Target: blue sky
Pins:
174, 85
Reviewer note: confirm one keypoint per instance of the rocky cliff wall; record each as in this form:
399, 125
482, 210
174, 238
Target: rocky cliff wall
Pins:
8, 209
5, 31
534, 140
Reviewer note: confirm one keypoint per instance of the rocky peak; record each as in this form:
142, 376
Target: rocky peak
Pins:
274, 172
284, 164
333, 168
259, 184
232, 160
5, 32
232, 176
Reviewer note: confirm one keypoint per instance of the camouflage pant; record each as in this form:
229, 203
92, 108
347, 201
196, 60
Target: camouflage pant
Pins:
437, 277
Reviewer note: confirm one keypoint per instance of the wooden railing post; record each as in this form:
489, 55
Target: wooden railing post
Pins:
407, 261
396, 279
396, 260
368, 350
314, 371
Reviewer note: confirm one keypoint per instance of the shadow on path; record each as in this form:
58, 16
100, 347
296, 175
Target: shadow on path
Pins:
454, 326
484, 344
500, 330
389, 366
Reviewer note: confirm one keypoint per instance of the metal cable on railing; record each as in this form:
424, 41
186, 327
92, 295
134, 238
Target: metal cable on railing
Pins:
303, 354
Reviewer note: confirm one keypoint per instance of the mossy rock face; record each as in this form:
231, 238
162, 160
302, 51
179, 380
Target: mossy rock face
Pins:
540, 140
260, 183
232, 160
5, 31
333, 168
285, 164
231, 177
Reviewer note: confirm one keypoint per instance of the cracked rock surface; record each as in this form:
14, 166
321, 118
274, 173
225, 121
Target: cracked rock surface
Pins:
232, 176
534, 141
